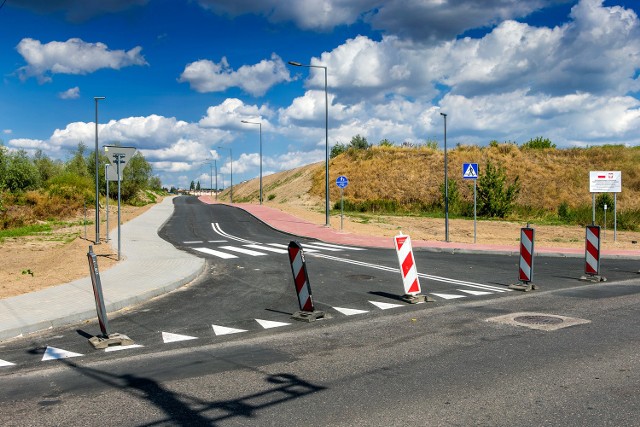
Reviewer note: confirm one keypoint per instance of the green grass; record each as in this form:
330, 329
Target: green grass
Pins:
28, 230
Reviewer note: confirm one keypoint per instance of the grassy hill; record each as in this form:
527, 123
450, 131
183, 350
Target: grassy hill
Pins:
409, 180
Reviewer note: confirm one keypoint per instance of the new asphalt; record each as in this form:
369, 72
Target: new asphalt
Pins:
151, 267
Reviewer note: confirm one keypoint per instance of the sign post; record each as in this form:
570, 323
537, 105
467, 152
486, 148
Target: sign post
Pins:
119, 157
605, 182
342, 182
470, 171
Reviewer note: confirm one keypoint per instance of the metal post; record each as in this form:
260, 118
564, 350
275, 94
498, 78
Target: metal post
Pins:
341, 207
593, 208
118, 160
216, 165
106, 178
474, 211
85, 220
604, 232
615, 216
326, 146
446, 183
97, 241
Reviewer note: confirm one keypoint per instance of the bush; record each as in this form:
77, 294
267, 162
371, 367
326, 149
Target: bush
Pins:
538, 143
563, 212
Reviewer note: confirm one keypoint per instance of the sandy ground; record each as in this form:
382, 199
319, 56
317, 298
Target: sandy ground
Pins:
37, 262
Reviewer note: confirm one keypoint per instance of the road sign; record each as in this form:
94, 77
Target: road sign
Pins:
124, 153
112, 174
470, 170
605, 182
342, 181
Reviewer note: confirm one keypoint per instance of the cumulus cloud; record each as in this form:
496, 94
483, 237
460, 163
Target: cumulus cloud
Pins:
78, 10
231, 112
74, 56
207, 76
72, 93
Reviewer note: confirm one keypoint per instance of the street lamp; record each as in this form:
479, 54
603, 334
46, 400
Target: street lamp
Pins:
259, 124
211, 165
97, 242
446, 184
326, 127
231, 172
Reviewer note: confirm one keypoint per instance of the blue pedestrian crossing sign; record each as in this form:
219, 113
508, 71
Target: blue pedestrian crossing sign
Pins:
470, 170
342, 181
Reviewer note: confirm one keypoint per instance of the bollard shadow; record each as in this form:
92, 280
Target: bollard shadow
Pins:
387, 295
181, 409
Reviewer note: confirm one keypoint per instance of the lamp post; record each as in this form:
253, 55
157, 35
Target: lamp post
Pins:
446, 183
97, 241
326, 127
230, 173
259, 124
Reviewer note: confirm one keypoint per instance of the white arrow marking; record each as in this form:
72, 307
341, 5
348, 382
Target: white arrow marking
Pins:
268, 324
121, 347
448, 296
466, 291
5, 363
223, 330
168, 337
385, 305
52, 353
349, 311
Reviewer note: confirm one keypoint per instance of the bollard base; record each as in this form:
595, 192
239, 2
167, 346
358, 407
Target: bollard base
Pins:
309, 316
593, 278
525, 287
100, 342
415, 299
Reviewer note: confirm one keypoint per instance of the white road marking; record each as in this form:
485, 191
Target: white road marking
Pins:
217, 241
168, 337
280, 245
349, 248
476, 293
192, 242
121, 347
349, 311
268, 324
267, 248
385, 305
218, 230
242, 250
53, 353
5, 363
447, 296
219, 254
306, 246
223, 330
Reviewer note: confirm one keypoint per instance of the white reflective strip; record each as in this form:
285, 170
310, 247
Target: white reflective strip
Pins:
526, 269
593, 263
349, 248
412, 276
296, 265
222, 255
524, 241
592, 239
303, 296
242, 250
267, 248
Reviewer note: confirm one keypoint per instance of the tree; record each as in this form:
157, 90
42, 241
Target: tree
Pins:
47, 168
156, 184
539, 143
198, 186
4, 160
359, 143
453, 195
495, 197
21, 173
337, 149
78, 163
386, 143
136, 176
192, 186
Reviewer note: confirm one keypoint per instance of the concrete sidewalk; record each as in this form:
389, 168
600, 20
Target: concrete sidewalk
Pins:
151, 267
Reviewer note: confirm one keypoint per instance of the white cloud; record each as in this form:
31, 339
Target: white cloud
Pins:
7, 131
72, 93
231, 112
207, 76
74, 56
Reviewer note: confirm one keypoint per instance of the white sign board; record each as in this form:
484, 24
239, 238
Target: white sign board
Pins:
605, 182
112, 174
123, 153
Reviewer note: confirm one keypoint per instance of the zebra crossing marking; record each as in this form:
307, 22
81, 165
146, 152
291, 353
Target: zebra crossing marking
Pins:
242, 250
219, 254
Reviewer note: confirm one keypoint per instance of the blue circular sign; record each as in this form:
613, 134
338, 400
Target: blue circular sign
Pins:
342, 181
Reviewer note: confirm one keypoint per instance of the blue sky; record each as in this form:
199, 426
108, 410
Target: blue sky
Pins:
180, 75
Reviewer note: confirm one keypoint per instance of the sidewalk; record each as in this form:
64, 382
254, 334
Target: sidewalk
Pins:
152, 267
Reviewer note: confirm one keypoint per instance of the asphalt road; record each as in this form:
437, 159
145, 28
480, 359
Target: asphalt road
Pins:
437, 363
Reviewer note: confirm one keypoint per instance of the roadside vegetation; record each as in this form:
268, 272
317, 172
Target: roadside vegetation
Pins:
37, 192
532, 182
